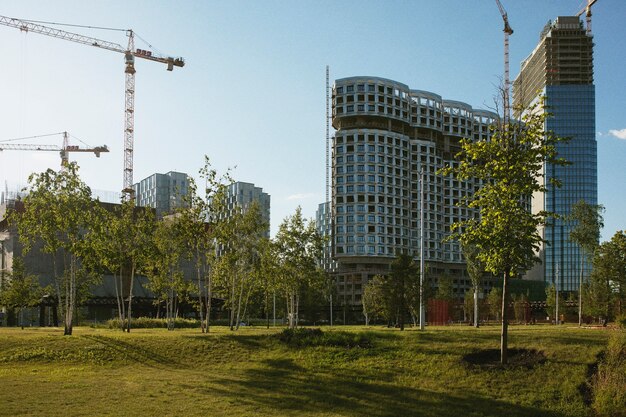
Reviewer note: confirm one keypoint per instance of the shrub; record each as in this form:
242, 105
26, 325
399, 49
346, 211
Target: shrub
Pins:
150, 323
609, 384
621, 321
304, 337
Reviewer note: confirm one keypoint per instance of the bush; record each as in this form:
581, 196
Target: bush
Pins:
150, 323
621, 321
609, 384
304, 337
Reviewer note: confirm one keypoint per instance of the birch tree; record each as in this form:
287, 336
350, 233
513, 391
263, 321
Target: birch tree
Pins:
300, 247
61, 216
586, 234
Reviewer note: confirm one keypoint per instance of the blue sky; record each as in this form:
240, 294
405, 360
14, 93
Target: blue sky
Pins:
252, 94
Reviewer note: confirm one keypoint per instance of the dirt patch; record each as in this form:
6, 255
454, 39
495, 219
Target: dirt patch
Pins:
490, 358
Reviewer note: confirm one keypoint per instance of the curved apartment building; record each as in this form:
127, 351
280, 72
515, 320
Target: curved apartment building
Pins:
386, 134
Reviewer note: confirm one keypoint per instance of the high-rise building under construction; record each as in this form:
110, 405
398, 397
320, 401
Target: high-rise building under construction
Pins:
561, 69
387, 137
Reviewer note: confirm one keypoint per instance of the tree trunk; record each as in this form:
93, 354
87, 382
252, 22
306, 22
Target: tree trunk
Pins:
580, 293
476, 318
199, 276
239, 300
504, 356
208, 301
130, 296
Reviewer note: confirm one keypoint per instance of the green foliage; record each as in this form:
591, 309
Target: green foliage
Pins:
609, 385
21, 290
551, 302
299, 248
494, 298
152, 323
589, 222
307, 337
376, 305
605, 295
61, 215
445, 289
510, 167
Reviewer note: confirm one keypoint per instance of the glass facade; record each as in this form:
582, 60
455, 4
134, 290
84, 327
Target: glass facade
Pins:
561, 67
573, 109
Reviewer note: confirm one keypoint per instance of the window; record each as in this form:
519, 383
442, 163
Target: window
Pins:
339, 149
350, 89
350, 108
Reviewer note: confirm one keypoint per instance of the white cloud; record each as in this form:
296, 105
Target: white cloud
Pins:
301, 196
620, 134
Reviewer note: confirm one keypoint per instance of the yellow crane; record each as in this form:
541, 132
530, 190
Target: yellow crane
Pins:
130, 53
63, 150
507, 32
587, 9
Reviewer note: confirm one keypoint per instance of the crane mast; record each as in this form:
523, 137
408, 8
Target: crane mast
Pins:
129, 53
507, 32
587, 11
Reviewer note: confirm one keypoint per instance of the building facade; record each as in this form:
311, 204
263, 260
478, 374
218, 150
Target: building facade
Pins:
387, 135
163, 192
561, 69
242, 194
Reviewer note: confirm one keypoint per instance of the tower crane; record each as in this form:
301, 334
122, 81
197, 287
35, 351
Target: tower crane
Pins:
507, 32
130, 53
64, 150
587, 9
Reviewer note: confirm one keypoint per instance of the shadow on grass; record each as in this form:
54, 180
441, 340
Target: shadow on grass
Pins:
287, 388
132, 351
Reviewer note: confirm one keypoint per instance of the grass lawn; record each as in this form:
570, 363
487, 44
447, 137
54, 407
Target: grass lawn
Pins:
99, 372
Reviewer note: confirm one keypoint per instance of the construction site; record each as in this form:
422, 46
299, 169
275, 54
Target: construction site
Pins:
101, 304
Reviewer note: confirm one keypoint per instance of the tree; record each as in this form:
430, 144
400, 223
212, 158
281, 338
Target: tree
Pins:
510, 167
607, 288
475, 271
241, 237
163, 267
404, 272
21, 290
122, 247
551, 303
377, 301
520, 302
494, 298
586, 234
60, 214
300, 247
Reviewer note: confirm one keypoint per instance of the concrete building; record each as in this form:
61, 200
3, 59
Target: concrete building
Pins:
386, 135
163, 192
242, 194
561, 69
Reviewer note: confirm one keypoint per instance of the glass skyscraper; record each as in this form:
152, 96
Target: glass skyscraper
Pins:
561, 68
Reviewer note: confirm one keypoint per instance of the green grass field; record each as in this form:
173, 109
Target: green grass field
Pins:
99, 372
